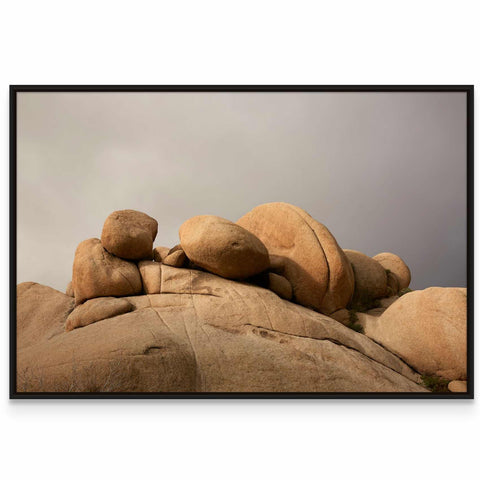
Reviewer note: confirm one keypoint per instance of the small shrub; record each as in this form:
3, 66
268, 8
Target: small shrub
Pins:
354, 325
364, 303
357, 327
435, 384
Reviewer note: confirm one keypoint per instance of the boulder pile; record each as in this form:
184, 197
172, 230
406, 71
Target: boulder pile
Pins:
261, 304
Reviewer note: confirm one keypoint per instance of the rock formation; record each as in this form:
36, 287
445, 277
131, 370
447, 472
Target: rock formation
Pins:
427, 329
236, 308
207, 334
319, 272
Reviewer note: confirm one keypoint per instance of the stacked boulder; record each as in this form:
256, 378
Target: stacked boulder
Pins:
276, 245
398, 273
106, 267
305, 253
279, 247
124, 262
222, 247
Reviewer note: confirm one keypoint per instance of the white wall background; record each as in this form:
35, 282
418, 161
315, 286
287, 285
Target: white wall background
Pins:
217, 42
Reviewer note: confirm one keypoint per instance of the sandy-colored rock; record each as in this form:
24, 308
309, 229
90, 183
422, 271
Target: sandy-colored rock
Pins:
97, 273
370, 278
69, 290
305, 252
176, 257
95, 310
343, 316
222, 247
396, 265
210, 334
41, 313
151, 276
458, 386
129, 234
159, 253
280, 285
277, 264
428, 329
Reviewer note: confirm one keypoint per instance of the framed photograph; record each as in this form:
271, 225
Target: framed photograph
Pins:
241, 241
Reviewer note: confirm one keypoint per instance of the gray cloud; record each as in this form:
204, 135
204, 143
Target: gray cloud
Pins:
383, 171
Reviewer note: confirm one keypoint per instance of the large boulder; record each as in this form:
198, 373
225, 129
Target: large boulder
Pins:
129, 234
97, 273
393, 263
370, 278
96, 309
305, 252
428, 329
204, 333
222, 247
41, 313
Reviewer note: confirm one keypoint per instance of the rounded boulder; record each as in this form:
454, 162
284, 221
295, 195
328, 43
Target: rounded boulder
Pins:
97, 273
129, 234
95, 310
392, 262
305, 252
223, 247
428, 330
370, 278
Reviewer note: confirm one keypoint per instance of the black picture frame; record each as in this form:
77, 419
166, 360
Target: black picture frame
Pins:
468, 89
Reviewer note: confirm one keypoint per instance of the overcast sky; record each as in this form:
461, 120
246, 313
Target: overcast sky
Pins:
383, 171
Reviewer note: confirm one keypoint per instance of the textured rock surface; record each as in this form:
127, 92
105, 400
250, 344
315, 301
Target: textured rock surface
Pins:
176, 257
159, 253
204, 334
428, 329
69, 290
305, 252
129, 234
370, 277
343, 316
280, 285
222, 247
396, 265
97, 273
151, 276
97, 309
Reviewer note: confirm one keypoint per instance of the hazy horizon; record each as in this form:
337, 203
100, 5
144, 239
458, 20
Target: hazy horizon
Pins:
383, 171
